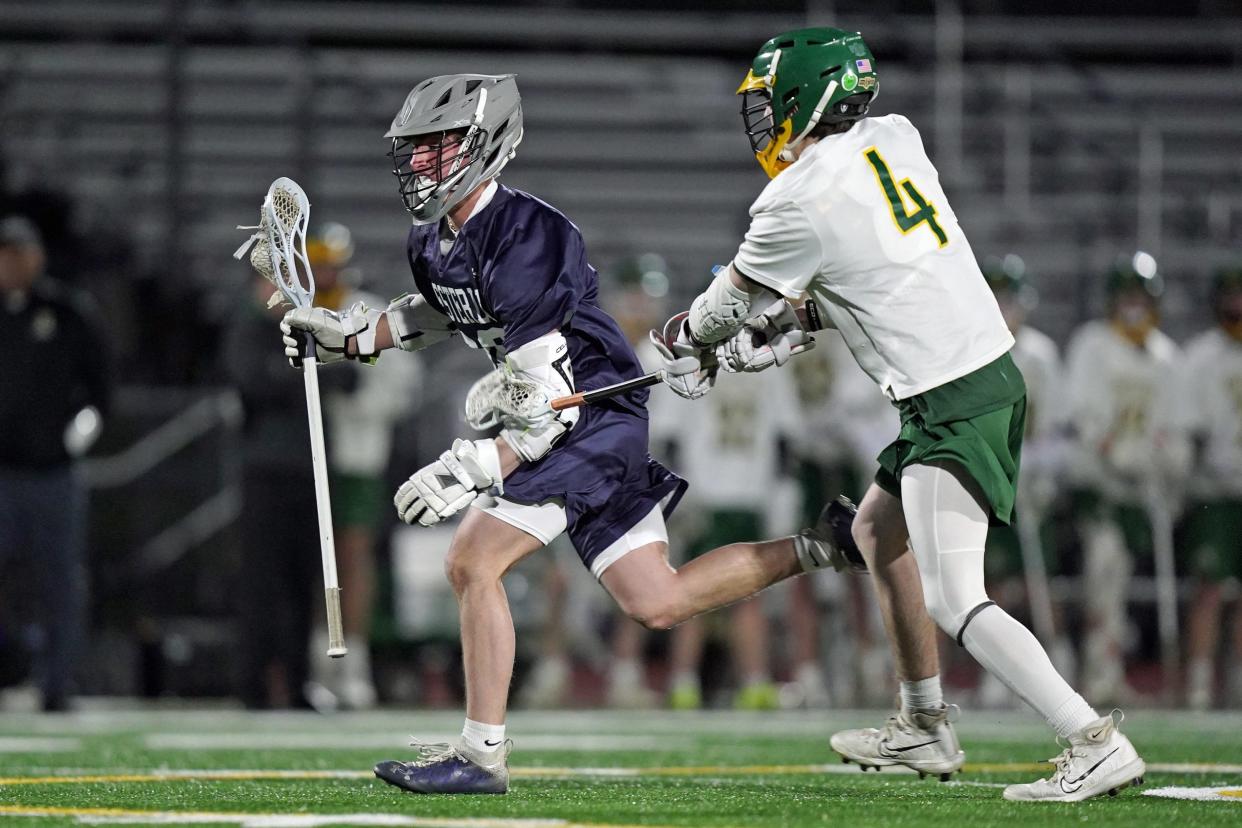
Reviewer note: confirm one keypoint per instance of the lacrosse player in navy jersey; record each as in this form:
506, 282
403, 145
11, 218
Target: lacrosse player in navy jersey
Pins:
509, 275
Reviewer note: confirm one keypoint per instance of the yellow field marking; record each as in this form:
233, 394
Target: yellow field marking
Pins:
105, 815
1236, 793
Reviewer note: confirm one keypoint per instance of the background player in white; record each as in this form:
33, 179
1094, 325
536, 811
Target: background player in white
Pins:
361, 416
845, 423
730, 448
1210, 411
509, 274
1121, 387
856, 216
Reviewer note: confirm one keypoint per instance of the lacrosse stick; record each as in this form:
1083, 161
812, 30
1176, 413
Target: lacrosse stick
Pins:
1159, 514
279, 255
808, 317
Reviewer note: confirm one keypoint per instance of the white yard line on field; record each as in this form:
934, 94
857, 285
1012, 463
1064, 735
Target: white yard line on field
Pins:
535, 772
1233, 794
391, 742
39, 744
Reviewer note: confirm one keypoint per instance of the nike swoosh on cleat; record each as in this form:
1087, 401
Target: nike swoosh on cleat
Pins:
893, 751
1087, 773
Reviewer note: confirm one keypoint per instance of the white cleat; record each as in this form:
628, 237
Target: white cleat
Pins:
1099, 760
924, 742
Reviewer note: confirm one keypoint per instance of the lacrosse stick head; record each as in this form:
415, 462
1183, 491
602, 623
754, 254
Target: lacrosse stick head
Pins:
279, 245
500, 398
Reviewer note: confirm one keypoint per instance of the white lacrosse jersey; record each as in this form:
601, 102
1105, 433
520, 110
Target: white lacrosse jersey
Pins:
846, 420
861, 222
1037, 358
728, 442
1120, 400
1209, 405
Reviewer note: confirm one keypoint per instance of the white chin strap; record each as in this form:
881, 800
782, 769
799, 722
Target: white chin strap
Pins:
786, 153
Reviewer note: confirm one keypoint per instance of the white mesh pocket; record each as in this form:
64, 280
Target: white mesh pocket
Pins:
500, 398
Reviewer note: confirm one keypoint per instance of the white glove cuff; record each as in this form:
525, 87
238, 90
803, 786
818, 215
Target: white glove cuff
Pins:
533, 443
489, 462
360, 322
719, 311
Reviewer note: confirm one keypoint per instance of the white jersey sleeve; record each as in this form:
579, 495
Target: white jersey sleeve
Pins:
781, 250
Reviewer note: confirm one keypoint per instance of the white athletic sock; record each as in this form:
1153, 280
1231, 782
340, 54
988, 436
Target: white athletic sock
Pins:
1009, 651
922, 696
483, 738
626, 672
685, 679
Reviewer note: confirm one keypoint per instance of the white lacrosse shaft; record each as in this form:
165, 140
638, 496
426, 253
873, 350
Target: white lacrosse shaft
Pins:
323, 504
279, 254
1158, 513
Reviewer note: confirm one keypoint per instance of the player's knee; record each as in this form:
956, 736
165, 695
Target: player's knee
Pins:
655, 612
945, 616
464, 569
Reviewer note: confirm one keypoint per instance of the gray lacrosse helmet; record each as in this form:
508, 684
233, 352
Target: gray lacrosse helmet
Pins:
486, 109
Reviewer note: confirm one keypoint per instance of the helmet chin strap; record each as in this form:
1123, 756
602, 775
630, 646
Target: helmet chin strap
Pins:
787, 153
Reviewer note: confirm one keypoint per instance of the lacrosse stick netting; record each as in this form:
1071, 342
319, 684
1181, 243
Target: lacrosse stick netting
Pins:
279, 255
502, 398
279, 243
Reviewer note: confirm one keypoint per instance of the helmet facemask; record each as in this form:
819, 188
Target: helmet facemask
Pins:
768, 140
438, 185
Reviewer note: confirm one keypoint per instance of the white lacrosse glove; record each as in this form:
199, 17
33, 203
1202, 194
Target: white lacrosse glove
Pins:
450, 484
683, 361
332, 332
768, 339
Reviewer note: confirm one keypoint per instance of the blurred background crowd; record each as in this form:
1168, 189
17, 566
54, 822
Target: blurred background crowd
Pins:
157, 517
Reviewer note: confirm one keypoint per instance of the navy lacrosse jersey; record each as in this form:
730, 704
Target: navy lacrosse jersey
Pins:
517, 271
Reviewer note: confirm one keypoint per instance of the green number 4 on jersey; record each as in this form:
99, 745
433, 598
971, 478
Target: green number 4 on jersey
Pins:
924, 213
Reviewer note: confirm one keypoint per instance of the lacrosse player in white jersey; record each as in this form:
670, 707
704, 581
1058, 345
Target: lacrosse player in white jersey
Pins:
855, 216
1210, 411
1121, 386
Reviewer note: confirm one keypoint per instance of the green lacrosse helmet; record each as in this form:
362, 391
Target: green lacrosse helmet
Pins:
801, 79
1009, 275
1227, 280
1136, 273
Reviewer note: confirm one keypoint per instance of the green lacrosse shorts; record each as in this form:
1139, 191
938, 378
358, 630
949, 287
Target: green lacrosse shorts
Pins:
358, 500
1213, 533
976, 421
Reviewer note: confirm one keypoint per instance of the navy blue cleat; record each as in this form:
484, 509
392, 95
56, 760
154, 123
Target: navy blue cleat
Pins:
449, 769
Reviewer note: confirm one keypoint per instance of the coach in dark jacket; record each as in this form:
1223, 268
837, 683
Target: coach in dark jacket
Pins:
54, 392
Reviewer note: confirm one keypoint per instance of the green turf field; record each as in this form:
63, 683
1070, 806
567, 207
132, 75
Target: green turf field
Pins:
575, 768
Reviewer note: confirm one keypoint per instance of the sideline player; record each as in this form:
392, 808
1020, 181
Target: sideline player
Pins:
1210, 406
1121, 384
508, 273
856, 216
